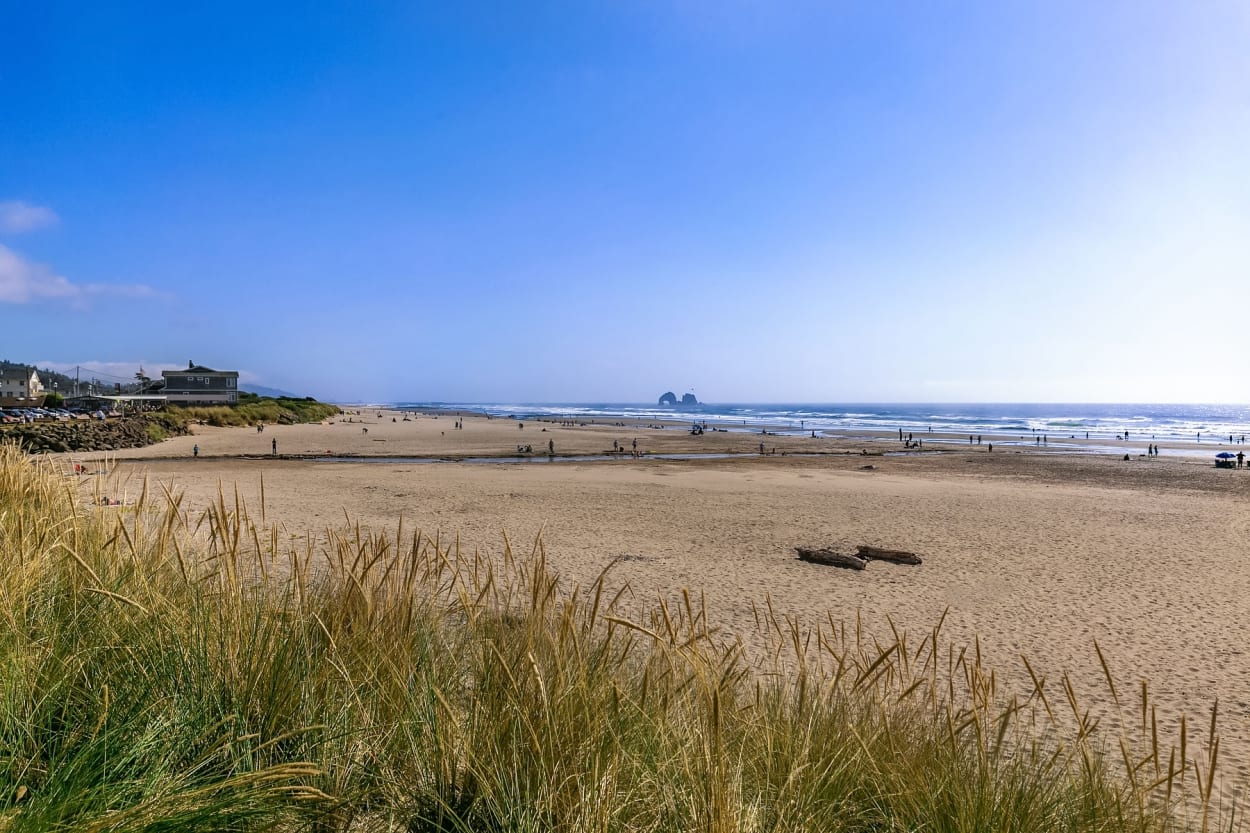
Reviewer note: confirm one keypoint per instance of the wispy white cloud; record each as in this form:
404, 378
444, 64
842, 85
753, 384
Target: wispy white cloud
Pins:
122, 290
22, 282
17, 217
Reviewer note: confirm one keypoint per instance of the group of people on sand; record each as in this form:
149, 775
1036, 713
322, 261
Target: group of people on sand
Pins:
528, 449
618, 447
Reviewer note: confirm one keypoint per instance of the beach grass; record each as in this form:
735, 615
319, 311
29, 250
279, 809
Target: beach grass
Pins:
168, 670
250, 410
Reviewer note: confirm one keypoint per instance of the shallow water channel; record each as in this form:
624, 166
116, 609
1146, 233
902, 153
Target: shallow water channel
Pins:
534, 458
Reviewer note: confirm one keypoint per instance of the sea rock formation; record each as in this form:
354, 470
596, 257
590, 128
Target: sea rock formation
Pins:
669, 400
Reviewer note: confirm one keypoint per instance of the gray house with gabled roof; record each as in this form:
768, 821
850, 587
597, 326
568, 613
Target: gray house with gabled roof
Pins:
200, 385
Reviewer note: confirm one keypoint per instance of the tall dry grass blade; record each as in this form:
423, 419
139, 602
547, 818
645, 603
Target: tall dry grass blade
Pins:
116, 597
1213, 755
1184, 740
877, 667
1106, 672
1038, 688
83, 564
772, 615
1167, 798
1154, 738
1134, 787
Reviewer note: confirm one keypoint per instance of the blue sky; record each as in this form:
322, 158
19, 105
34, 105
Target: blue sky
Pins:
602, 201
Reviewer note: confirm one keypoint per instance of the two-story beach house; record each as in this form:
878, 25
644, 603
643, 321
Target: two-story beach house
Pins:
199, 385
20, 386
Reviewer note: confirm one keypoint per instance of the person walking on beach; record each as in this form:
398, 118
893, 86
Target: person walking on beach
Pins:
274, 446
551, 446
195, 451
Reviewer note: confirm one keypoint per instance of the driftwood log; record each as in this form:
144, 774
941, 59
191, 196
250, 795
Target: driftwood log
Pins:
858, 561
829, 558
895, 556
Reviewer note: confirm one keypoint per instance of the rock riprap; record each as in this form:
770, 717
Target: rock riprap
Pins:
89, 435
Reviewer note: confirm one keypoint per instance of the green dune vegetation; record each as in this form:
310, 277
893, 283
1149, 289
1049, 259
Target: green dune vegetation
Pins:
168, 670
137, 430
252, 409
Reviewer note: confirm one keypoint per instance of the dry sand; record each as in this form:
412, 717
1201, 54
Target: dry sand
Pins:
1037, 554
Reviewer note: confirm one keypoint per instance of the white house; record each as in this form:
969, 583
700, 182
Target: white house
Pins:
20, 386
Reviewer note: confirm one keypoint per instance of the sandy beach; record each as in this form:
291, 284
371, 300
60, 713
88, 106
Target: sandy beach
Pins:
1034, 553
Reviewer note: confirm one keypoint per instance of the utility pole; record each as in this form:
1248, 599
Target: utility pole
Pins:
76, 392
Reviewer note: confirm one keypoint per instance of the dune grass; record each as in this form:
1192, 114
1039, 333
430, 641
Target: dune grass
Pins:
250, 410
167, 671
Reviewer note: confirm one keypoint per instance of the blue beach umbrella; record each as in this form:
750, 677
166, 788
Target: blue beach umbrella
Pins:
1225, 455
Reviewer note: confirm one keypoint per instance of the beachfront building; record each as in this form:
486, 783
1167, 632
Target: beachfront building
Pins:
199, 385
20, 386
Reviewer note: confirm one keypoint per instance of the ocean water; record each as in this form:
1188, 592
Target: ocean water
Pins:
1164, 423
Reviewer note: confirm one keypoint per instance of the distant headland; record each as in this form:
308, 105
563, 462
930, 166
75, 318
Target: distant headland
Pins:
670, 400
